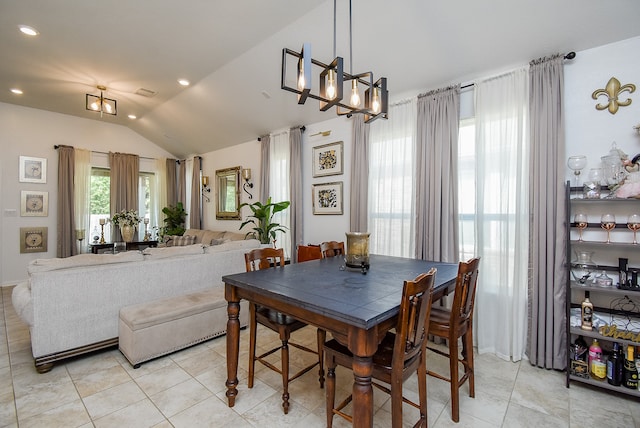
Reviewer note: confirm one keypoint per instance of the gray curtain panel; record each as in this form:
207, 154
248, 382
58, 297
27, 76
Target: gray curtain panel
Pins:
172, 189
437, 175
546, 346
181, 182
264, 167
195, 215
66, 236
359, 199
125, 171
295, 189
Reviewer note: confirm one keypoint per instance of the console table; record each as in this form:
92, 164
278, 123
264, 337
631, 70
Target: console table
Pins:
135, 245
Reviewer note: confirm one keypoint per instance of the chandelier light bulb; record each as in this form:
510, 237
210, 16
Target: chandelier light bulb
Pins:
94, 106
355, 96
375, 104
331, 84
301, 81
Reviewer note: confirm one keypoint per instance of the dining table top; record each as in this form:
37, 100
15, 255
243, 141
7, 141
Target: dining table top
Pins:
328, 288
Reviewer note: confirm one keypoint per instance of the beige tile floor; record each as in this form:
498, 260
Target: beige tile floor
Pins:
186, 389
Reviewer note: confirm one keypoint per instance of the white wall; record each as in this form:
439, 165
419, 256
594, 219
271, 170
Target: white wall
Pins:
31, 132
589, 131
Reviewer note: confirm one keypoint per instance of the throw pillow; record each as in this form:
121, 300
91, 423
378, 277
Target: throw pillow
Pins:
219, 241
181, 241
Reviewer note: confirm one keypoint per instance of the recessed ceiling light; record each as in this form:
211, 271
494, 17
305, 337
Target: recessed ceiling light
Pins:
183, 82
132, 116
16, 91
29, 31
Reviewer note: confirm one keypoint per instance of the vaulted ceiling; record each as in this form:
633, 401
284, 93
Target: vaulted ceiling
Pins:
231, 51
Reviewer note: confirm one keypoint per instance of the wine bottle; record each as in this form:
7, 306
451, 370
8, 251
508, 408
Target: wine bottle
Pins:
587, 314
630, 372
615, 366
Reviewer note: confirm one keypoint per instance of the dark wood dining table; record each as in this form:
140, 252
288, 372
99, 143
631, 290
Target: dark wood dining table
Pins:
356, 309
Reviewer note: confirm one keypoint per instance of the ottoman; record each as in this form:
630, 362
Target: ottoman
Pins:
153, 329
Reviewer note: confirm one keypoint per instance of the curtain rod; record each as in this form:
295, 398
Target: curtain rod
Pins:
302, 129
106, 153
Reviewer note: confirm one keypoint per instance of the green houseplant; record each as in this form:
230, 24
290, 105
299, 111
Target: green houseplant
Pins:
174, 219
262, 219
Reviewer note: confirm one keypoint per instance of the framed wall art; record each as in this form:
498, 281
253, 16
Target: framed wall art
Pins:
327, 159
34, 204
33, 239
327, 198
33, 170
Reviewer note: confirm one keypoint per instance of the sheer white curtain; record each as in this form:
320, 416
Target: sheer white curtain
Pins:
279, 160
82, 184
502, 213
160, 190
392, 152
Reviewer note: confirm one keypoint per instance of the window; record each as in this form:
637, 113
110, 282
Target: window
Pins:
466, 188
100, 204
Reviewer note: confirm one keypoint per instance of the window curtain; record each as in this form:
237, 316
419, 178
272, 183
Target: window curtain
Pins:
125, 171
171, 166
181, 182
265, 143
279, 168
359, 212
66, 225
436, 226
392, 181
502, 213
195, 215
295, 172
157, 218
546, 345
82, 181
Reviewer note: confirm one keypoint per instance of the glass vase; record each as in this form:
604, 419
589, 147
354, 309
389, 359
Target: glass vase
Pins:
583, 268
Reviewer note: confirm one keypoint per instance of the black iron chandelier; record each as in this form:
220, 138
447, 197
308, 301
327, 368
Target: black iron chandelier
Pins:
332, 79
101, 103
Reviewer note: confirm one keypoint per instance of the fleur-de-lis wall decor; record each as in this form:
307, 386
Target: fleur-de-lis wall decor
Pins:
612, 91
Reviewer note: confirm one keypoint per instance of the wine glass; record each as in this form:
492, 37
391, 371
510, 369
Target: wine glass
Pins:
608, 222
577, 164
581, 222
633, 223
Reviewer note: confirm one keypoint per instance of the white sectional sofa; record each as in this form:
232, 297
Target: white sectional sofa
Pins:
71, 305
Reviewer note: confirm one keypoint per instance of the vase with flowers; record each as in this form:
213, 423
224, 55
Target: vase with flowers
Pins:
127, 221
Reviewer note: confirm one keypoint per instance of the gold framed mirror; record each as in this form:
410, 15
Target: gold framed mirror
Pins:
228, 193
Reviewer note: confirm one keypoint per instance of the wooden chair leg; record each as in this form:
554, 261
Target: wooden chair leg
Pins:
330, 391
396, 402
285, 371
422, 391
252, 343
468, 340
453, 372
322, 337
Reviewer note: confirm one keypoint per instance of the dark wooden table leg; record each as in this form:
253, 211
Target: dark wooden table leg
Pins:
362, 392
233, 343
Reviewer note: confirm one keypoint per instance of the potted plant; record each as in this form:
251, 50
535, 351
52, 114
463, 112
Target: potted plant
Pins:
264, 228
174, 219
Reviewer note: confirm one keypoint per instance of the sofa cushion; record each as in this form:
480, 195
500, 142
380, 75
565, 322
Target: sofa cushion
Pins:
181, 241
248, 244
234, 236
44, 265
163, 253
198, 233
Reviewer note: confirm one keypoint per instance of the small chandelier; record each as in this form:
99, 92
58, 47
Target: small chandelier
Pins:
101, 104
332, 78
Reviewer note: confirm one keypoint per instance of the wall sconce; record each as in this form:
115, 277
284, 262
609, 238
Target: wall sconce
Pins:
246, 174
205, 187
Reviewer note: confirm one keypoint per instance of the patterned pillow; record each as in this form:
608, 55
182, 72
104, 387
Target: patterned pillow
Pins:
181, 241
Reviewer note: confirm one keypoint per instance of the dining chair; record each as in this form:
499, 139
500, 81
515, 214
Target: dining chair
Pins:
400, 354
452, 324
284, 325
331, 249
308, 252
